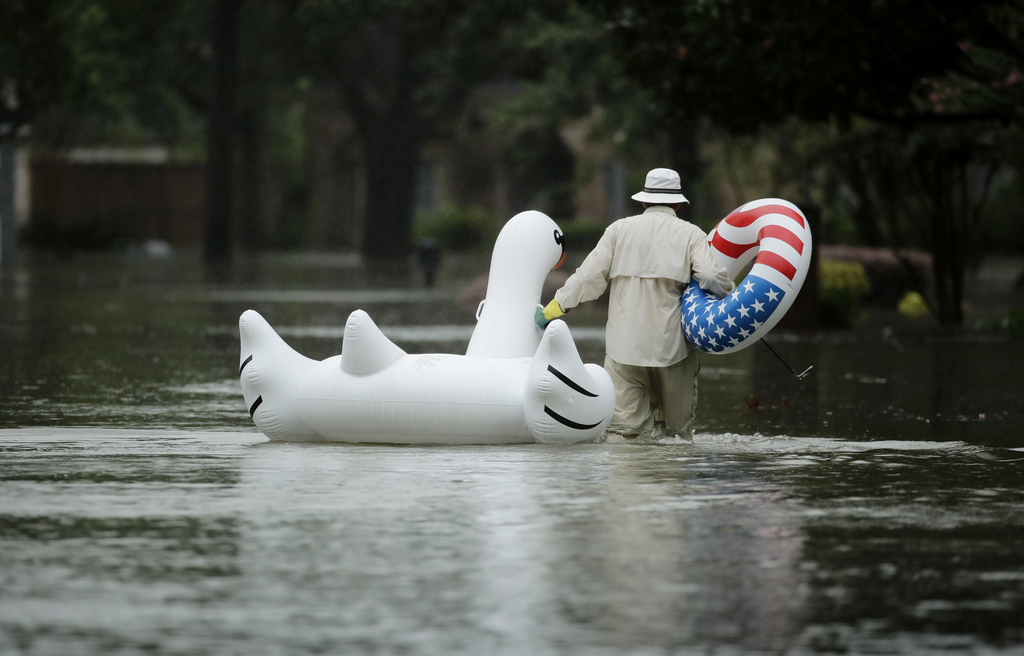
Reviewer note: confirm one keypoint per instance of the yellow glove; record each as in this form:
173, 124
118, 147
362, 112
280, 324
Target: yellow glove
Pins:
551, 312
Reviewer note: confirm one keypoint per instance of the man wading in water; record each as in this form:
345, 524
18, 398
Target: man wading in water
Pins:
649, 259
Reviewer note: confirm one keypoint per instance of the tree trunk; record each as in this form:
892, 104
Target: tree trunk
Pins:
948, 250
684, 153
949, 289
866, 213
253, 148
217, 244
392, 157
7, 218
684, 158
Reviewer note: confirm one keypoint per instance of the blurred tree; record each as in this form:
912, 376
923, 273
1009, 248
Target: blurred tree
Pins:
157, 71
754, 63
567, 71
99, 58
404, 69
991, 80
54, 52
269, 124
925, 187
51, 51
220, 128
224, 64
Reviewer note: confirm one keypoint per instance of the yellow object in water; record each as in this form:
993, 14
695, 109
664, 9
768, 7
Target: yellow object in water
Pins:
912, 305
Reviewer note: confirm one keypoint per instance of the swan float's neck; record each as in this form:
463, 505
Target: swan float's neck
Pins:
523, 254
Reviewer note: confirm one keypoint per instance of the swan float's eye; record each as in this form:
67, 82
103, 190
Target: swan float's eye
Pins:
560, 240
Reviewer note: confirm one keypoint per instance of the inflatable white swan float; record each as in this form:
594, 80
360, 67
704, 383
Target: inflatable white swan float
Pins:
516, 384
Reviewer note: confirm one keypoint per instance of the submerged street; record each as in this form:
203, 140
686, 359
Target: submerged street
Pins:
874, 506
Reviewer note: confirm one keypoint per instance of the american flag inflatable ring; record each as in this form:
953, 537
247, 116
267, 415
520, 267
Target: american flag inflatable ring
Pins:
776, 232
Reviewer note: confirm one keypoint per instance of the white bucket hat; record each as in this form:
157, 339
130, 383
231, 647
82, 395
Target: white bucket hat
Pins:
661, 186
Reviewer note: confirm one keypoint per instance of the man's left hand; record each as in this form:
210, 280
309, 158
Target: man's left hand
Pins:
548, 314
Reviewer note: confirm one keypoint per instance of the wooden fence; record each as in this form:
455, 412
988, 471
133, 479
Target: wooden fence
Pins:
134, 200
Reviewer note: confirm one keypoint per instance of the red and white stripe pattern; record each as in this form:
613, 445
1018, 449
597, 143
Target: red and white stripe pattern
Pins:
775, 231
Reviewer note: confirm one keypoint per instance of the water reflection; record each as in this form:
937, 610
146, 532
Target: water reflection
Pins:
130, 341
211, 540
696, 550
873, 507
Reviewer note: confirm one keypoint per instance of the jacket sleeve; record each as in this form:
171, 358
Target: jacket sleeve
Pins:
591, 278
710, 276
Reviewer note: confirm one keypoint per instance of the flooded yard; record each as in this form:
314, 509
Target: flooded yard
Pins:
876, 506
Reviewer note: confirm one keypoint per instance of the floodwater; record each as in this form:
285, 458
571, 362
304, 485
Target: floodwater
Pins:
875, 507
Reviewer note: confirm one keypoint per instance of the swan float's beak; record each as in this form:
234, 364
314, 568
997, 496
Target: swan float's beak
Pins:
560, 240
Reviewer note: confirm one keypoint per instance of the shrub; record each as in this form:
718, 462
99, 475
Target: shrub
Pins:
457, 228
841, 286
912, 305
45, 232
581, 236
1012, 324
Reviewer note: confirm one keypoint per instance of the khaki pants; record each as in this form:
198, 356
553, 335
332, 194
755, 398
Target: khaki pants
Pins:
646, 395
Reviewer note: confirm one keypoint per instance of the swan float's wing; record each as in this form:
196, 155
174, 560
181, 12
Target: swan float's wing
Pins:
366, 350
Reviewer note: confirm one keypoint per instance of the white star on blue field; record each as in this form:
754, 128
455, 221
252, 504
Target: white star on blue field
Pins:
713, 325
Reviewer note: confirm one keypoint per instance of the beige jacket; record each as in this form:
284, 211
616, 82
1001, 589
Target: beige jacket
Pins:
649, 259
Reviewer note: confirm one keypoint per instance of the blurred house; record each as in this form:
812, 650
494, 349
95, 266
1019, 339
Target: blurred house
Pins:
96, 195
99, 196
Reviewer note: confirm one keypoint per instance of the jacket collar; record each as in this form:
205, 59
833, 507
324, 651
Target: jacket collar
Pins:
660, 209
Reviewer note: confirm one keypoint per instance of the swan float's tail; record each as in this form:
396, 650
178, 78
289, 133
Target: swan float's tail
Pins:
565, 400
270, 372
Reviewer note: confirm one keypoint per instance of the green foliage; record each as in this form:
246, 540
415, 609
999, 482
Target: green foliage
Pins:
988, 83
755, 62
869, 81
404, 70
93, 235
1003, 232
472, 228
424, 56
930, 82
581, 236
739, 168
841, 286
288, 149
1012, 324
50, 52
457, 228
913, 305
847, 277
101, 57
925, 187
567, 70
